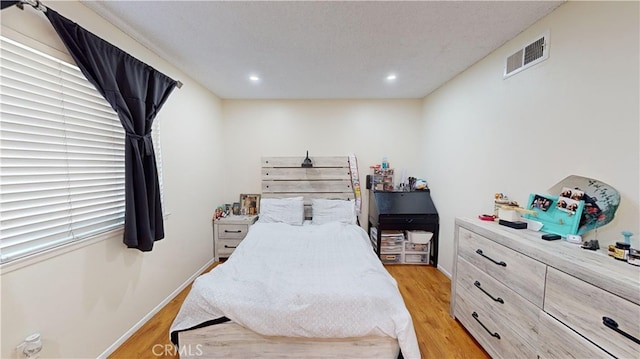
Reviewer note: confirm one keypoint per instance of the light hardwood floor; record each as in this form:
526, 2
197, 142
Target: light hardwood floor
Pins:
425, 291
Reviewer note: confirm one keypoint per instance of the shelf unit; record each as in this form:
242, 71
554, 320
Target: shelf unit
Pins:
396, 248
403, 211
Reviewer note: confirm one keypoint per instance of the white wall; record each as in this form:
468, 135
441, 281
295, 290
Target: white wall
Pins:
84, 300
369, 128
477, 135
575, 113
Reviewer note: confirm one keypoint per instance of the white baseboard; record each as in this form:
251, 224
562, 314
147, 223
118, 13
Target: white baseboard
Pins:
441, 269
153, 312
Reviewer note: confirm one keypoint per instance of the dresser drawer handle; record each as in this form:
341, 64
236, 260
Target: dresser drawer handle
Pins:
612, 324
228, 231
226, 246
479, 251
499, 300
475, 316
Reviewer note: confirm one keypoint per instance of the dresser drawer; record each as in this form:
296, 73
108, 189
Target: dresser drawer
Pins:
518, 272
582, 307
463, 311
227, 246
489, 328
513, 311
557, 341
232, 231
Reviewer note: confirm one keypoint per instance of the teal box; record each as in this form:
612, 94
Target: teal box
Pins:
555, 219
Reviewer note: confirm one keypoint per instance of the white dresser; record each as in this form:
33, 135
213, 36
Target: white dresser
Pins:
523, 297
228, 232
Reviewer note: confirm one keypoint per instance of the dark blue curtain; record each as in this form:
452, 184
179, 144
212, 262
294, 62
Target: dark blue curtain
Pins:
5, 4
136, 92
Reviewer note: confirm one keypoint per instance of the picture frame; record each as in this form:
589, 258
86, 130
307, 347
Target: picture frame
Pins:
541, 202
249, 204
235, 208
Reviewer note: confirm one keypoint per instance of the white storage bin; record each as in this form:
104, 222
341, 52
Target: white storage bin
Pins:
419, 237
389, 249
392, 234
391, 242
391, 258
416, 247
416, 258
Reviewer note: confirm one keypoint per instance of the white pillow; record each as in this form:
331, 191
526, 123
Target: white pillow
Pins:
333, 210
282, 210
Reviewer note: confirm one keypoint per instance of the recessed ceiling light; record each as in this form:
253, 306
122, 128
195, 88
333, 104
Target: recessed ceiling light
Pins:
391, 77
254, 78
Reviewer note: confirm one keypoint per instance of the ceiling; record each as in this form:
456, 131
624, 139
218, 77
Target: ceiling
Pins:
322, 49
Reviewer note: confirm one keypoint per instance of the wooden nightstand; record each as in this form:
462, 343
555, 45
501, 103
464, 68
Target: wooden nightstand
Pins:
228, 232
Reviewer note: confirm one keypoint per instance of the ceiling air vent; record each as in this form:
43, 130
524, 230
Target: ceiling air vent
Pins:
527, 56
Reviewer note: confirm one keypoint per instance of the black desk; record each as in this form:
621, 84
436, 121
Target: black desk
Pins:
404, 211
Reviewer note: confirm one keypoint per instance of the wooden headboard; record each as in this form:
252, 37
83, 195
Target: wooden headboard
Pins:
330, 177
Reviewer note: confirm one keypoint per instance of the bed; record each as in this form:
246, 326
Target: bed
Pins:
296, 287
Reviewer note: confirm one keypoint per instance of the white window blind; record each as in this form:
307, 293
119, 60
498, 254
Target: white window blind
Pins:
61, 155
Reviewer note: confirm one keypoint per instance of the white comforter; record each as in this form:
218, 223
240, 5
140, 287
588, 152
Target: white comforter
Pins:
318, 281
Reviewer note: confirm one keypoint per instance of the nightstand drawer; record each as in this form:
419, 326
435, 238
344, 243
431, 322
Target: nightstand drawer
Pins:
232, 231
227, 246
518, 272
583, 306
228, 233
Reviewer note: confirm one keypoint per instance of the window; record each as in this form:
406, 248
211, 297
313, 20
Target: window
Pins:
61, 155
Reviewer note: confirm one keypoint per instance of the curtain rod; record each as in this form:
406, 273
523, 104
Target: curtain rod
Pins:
36, 4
